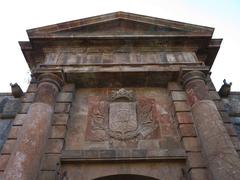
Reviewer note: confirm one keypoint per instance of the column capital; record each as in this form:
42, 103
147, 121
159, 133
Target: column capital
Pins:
51, 78
193, 75
49, 84
195, 85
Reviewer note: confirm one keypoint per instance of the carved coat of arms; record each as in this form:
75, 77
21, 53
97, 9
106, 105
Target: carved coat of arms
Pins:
122, 117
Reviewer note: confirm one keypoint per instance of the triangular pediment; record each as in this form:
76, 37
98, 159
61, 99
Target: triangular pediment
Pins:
119, 24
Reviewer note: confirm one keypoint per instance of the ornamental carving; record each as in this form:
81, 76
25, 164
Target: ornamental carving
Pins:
122, 94
122, 117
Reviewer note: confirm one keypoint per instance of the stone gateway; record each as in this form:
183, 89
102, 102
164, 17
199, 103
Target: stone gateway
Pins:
120, 96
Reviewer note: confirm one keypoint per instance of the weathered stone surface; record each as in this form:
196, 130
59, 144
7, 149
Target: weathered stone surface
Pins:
195, 160
156, 170
191, 144
19, 119
25, 159
3, 161
220, 153
178, 96
8, 146
122, 154
32, 88
50, 161
108, 52
14, 132
68, 88
232, 103
236, 123
64, 97
222, 158
236, 143
187, 130
123, 56
58, 132
199, 174
46, 93
181, 106
54, 146
5, 126
60, 119
225, 117
62, 108
219, 105
9, 107
24, 108
47, 175
230, 129
30, 143
28, 97
93, 114
214, 95
184, 117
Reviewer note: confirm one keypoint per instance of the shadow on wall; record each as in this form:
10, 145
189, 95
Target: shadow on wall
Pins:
125, 177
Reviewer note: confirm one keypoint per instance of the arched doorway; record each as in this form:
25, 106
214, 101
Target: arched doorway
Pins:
126, 177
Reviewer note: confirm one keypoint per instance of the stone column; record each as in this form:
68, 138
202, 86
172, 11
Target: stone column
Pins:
24, 162
223, 160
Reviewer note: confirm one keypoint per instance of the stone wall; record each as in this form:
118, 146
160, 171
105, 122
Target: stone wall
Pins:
93, 135
231, 113
56, 141
9, 107
196, 165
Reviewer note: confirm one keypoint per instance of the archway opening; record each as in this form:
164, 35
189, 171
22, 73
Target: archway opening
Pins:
126, 177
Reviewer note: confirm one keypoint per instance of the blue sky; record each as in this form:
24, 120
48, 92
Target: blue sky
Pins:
17, 16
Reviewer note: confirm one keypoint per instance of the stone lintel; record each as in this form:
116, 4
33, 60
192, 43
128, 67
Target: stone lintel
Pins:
122, 155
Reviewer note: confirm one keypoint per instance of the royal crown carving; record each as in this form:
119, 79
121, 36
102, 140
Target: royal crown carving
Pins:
122, 93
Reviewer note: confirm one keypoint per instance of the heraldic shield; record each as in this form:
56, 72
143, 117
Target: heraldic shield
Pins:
122, 119
125, 118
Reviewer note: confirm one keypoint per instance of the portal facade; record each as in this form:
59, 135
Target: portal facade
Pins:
120, 96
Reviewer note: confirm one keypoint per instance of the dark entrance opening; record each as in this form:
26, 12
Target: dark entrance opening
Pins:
126, 177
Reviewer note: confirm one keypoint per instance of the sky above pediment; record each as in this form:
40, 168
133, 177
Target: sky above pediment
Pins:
18, 16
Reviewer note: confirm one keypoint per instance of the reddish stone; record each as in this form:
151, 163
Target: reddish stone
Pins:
195, 160
191, 144
3, 161
24, 108
54, 145
25, 159
13, 134
187, 130
19, 119
199, 174
60, 119
46, 93
184, 117
181, 106
30, 143
68, 88
217, 147
62, 108
28, 97
230, 129
8, 146
58, 132
47, 175
178, 95
50, 161
32, 87
174, 86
